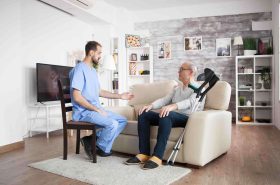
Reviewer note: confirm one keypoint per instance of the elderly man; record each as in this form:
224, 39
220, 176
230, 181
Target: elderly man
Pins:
174, 110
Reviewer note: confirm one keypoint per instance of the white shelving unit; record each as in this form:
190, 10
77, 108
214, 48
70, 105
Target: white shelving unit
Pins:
139, 59
250, 87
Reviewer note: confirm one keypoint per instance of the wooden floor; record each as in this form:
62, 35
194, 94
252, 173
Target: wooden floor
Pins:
254, 158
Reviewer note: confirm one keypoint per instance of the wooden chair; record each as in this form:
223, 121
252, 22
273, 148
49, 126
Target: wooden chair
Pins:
66, 106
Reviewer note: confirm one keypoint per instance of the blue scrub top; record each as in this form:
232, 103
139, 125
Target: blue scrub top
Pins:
84, 79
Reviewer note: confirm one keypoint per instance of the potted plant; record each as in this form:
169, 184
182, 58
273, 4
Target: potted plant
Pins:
266, 78
249, 45
242, 100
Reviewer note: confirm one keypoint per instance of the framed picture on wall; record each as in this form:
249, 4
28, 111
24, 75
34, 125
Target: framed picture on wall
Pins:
192, 43
223, 47
132, 41
164, 50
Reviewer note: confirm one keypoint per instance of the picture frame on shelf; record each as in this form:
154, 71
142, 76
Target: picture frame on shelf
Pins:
193, 43
133, 57
223, 47
164, 50
265, 46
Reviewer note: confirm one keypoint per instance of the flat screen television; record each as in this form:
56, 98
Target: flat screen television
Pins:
47, 76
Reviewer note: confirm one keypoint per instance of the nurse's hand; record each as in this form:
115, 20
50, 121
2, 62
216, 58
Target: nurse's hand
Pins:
102, 112
127, 96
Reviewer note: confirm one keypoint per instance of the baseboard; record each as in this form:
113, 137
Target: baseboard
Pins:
11, 147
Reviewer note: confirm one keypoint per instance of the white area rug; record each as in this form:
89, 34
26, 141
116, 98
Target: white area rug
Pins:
110, 171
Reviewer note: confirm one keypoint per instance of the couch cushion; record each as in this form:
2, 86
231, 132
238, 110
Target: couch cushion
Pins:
219, 96
131, 129
137, 109
148, 92
126, 111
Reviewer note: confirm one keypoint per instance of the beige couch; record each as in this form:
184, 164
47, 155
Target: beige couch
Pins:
208, 133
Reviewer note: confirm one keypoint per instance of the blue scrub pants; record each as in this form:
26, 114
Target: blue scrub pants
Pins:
111, 126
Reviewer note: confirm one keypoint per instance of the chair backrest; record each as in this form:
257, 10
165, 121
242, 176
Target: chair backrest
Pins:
65, 98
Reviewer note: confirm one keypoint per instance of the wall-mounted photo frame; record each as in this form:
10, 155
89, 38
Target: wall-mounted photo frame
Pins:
164, 50
193, 43
223, 47
133, 57
132, 41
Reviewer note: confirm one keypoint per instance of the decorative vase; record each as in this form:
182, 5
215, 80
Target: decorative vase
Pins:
248, 103
250, 52
242, 100
258, 85
267, 85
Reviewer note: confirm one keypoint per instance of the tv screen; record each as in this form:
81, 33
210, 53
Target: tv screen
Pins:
47, 76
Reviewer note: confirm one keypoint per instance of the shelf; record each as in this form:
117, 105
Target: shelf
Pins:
49, 105
255, 56
252, 123
257, 90
142, 61
51, 128
260, 73
246, 90
245, 106
142, 47
250, 73
44, 117
246, 83
257, 106
245, 73
138, 75
263, 90
244, 123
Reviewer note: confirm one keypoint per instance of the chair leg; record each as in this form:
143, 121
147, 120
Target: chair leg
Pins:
65, 143
94, 145
78, 142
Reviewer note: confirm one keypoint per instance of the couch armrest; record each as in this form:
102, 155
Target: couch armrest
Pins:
126, 111
207, 136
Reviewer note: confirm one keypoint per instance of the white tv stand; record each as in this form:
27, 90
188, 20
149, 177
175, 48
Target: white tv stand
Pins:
47, 117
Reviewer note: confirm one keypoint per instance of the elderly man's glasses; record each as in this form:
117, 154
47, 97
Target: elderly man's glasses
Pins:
183, 69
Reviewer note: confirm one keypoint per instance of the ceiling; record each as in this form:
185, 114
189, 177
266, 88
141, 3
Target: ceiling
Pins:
139, 5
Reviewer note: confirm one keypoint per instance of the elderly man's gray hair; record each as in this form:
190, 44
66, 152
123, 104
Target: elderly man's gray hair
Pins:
191, 66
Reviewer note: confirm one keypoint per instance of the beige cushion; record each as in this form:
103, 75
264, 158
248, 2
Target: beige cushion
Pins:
126, 111
137, 109
131, 128
219, 96
149, 92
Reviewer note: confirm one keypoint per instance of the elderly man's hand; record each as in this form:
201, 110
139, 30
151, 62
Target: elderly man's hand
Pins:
145, 108
166, 109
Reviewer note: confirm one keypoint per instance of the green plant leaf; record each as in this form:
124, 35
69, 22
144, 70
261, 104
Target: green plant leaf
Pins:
249, 44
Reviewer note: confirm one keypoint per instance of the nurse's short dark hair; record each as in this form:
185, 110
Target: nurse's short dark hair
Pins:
91, 45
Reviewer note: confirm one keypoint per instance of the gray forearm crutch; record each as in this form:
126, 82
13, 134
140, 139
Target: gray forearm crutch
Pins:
210, 78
